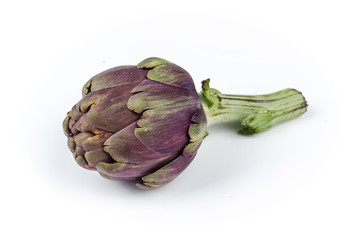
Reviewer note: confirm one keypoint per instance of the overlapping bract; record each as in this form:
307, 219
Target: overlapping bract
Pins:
142, 123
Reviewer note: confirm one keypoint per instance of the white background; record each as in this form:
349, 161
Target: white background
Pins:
299, 180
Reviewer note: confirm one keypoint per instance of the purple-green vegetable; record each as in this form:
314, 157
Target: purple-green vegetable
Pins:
145, 123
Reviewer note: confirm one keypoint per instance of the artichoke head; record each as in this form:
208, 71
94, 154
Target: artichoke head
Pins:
142, 123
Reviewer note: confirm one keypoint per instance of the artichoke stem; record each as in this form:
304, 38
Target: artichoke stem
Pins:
256, 113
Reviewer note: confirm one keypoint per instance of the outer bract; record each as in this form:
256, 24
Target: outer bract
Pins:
143, 123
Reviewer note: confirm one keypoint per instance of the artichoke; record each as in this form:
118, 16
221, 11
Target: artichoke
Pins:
145, 123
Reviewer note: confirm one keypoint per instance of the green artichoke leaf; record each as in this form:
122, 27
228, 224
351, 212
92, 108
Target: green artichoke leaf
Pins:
173, 75
152, 62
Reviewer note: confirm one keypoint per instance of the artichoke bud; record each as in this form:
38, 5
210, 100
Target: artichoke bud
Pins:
143, 123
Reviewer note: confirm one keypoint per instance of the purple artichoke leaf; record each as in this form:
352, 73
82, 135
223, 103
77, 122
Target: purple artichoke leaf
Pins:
166, 114
80, 160
150, 94
108, 110
124, 147
114, 77
163, 130
96, 156
165, 174
71, 144
66, 125
122, 171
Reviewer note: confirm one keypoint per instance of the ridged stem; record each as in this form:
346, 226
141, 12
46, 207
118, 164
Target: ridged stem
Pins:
255, 112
